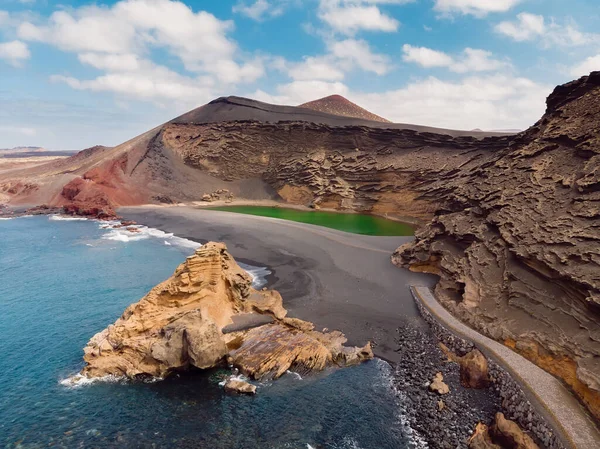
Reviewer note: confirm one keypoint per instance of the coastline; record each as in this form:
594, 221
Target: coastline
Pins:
478, 406
332, 278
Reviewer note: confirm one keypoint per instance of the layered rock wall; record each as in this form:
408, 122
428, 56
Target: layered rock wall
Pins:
516, 241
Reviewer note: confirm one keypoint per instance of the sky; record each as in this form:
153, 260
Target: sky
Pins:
74, 73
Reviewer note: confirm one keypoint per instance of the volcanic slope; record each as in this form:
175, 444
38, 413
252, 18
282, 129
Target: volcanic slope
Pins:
255, 151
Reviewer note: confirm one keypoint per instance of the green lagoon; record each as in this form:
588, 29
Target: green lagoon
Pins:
354, 223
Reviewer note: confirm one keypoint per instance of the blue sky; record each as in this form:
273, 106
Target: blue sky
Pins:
75, 73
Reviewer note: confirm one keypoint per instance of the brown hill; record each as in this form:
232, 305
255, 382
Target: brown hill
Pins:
338, 105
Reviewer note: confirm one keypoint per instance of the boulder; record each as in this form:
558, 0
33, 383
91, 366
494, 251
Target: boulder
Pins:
438, 385
481, 439
508, 435
474, 370
234, 385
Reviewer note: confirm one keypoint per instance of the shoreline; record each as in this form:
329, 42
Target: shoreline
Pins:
334, 279
534, 398
482, 405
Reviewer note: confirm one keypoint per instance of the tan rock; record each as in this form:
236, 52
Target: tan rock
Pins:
239, 386
438, 385
508, 435
481, 439
474, 370
181, 323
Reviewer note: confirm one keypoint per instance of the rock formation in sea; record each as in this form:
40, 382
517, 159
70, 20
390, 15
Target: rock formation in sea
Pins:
208, 314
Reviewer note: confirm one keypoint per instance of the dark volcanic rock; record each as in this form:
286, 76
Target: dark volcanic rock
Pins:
516, 241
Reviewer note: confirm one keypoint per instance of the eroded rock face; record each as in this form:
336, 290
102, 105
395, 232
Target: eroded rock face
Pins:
502, 434
509, 435
180, 323
517, 241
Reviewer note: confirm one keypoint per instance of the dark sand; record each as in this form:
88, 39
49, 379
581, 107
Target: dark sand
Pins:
335, 279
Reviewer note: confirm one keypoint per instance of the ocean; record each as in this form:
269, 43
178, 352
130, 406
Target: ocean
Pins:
61, 281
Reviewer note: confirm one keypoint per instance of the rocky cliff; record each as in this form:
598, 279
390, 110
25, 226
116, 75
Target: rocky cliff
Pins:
516, 241
207, 314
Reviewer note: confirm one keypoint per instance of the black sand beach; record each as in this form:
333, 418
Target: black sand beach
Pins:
335, 279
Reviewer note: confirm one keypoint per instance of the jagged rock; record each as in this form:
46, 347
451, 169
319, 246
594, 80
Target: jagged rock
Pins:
438, 385
239, 386
516, 241
508, 435
474, 371
502, 434
181, 322
481, 439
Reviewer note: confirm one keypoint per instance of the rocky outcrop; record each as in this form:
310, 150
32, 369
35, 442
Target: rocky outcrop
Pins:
516, 241
239, 386
502, 434
474, 370
180, 325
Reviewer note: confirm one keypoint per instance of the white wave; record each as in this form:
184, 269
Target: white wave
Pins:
415, 439
13, 218
136, 233
258, 274
296, 375
64, 218
240, 377
79, 380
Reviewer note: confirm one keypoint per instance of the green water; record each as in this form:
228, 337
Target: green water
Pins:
355, 223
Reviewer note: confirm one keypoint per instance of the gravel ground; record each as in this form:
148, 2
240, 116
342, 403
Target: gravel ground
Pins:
463, 408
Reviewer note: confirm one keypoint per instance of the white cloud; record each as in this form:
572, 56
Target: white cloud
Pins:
316, 68
259, 10
426, 57
529, 27
112, 62
353, 52
489, 102
590, 64
14, 52
342, 57
351, 16
120, 39
471, 60
478, 8
526, 27
199, 39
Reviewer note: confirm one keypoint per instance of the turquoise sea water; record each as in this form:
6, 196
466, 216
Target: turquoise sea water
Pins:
63, 281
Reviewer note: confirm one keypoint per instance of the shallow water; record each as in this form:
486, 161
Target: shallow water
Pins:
354, 223
63, 281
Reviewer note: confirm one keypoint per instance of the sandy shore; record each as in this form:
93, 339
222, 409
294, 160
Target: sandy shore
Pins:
335, 279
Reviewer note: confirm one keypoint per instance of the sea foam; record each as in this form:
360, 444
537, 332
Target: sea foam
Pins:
63, 218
